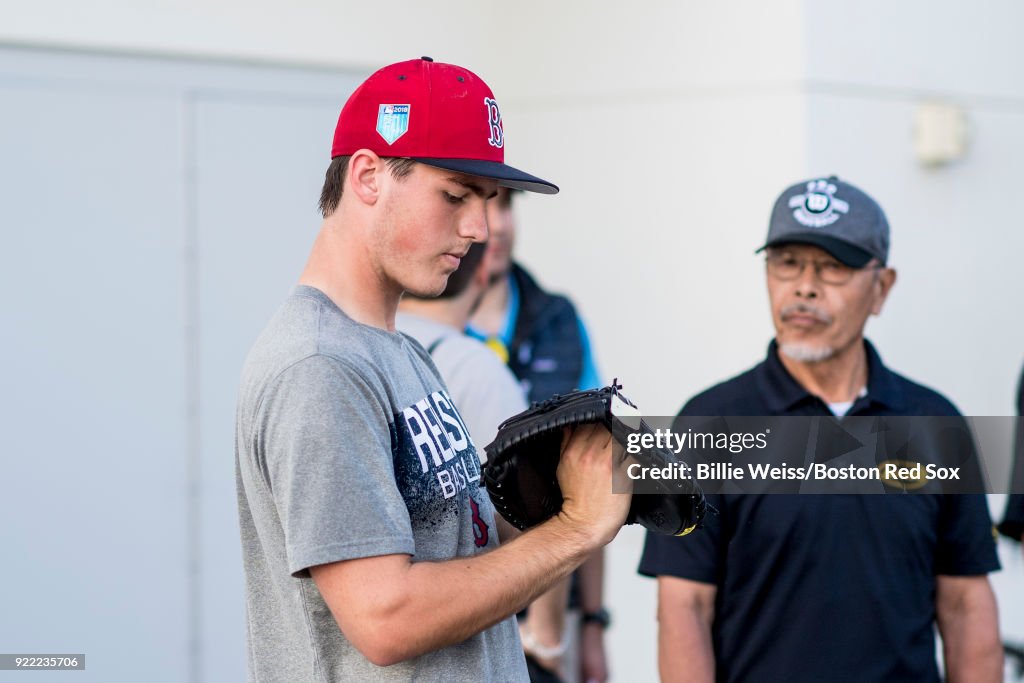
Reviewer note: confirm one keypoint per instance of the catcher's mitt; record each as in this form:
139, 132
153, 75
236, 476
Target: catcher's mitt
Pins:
522, 459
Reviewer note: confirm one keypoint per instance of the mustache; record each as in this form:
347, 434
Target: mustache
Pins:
806, 309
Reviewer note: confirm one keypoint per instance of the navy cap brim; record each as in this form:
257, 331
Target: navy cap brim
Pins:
844, 252
503, 173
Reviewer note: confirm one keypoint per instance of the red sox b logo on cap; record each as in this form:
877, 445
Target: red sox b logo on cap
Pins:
497, 138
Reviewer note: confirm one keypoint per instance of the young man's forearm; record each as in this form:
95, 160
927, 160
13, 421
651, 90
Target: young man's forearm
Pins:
419, 607
392, 609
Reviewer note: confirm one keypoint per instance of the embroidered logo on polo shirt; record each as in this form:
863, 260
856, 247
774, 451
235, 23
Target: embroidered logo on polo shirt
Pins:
818, 207
905, 475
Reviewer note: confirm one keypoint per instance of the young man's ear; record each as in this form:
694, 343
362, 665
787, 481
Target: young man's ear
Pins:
365, 170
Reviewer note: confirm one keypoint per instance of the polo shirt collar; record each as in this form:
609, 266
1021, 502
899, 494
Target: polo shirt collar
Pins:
782, 393
883, 385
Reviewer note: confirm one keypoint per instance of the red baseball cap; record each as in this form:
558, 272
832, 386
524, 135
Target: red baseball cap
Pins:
438, 114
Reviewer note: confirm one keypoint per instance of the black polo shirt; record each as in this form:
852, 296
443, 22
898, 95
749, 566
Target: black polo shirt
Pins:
826, 587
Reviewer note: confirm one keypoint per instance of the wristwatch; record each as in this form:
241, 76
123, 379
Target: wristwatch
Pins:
602, 617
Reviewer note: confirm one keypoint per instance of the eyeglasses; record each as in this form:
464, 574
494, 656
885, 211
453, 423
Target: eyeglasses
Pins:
789, 267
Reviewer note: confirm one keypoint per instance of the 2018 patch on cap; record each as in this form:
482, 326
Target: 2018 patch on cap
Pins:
392, 121
818, 207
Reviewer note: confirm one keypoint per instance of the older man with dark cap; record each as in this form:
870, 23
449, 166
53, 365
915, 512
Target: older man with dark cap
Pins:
827, 587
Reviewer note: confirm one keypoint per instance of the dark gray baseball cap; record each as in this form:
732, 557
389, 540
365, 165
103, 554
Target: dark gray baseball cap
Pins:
834, 215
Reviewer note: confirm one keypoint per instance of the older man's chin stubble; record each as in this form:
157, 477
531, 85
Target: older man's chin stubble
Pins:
806, 353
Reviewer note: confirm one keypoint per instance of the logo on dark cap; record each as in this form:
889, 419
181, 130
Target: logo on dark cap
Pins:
818, 207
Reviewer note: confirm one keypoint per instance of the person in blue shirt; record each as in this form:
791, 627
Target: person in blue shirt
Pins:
539, 334
827, 587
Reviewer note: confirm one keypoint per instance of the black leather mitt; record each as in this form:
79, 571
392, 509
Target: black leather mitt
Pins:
522, 459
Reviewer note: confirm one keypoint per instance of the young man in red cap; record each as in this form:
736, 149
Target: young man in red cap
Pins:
369, 545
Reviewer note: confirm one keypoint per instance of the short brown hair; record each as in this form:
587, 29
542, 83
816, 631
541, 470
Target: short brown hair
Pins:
334, 179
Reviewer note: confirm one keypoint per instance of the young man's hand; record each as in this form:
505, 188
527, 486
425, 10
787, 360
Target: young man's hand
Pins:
590, 460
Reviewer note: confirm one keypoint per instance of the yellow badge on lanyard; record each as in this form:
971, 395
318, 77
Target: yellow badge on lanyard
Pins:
499, 348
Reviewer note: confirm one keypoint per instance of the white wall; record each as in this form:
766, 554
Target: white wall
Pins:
668, 141
916, 46
671, 126
309, 32
653, 122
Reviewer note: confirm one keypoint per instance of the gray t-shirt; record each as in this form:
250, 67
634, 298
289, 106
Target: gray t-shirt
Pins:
348, 446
